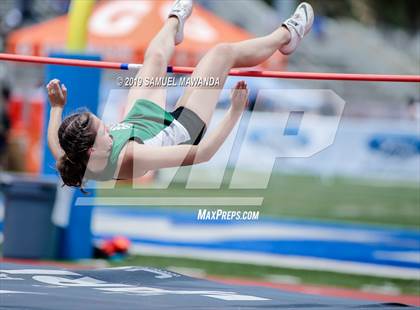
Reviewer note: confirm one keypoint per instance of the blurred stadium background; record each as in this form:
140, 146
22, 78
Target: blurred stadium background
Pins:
347, 217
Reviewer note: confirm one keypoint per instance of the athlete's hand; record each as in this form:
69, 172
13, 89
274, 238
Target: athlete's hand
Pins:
239, 97
57, 94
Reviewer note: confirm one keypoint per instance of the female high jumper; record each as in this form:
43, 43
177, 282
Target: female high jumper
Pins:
150, 137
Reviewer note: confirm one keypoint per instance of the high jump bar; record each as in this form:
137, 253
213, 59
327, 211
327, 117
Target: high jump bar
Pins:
233, 72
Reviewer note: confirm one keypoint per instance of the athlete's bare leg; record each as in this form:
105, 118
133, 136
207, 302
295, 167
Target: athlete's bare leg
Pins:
159, 53
223, 57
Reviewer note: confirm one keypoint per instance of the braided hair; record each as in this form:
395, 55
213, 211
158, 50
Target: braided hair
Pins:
76, 136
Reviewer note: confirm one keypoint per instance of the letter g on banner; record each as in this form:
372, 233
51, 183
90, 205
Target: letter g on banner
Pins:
118, 18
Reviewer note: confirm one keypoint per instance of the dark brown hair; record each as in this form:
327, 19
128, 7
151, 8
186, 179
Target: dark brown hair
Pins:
76, 136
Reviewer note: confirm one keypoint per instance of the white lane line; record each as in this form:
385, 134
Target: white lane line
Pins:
401, 256
160, 228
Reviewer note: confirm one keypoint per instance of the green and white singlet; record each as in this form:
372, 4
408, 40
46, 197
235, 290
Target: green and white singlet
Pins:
150, 124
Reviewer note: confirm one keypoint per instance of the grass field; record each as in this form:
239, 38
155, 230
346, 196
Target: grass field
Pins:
309, 197
305, 197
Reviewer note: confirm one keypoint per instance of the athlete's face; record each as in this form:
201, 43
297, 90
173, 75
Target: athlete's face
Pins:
103, 141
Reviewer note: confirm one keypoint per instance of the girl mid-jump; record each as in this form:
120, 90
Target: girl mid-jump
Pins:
150, 137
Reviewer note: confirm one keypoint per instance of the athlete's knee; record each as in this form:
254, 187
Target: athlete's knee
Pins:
223, 52
155, 57
224, 49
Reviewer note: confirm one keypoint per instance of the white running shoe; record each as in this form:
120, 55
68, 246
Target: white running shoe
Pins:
299, 25
181, 9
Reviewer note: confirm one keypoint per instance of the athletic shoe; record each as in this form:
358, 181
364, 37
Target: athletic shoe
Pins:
181, 9
299, 25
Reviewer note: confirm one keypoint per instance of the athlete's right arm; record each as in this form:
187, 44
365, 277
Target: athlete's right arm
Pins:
146, 157
57, 95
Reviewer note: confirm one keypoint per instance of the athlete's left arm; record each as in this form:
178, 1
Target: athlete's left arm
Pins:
146, 157
213, 141
152, 157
